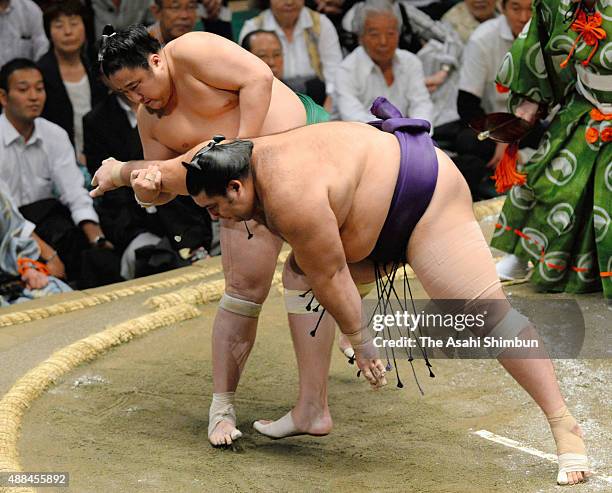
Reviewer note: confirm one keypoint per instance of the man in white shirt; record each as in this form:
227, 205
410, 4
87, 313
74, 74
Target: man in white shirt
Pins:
37, 161
309, 31
484, 53
379, 68
21, 31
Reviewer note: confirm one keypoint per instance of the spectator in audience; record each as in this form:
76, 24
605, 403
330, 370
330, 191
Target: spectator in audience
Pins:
174, 18
36, 160
311, 48
25, 273
21, 31
140, 235
379, 68
120, 13
267, 46
70, 83
333, 9
438, 47
478, 93
466, 16
216, 18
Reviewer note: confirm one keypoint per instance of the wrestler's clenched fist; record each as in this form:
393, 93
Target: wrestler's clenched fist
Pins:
146, 183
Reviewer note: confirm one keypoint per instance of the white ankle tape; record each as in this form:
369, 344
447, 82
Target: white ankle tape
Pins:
365, 288
240, 307
297, 304
221, 409
510, 326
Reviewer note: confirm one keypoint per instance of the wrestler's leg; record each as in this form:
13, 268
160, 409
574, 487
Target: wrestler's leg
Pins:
310, 414
249, 267
452, 260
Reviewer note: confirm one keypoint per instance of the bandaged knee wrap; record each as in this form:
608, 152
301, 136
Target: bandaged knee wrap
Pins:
240, 307
222, 409
508, 328
298, 304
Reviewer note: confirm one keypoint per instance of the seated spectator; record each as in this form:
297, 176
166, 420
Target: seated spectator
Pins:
267, 46
37, 161
311, 48
379, 68
433, 8
466, 16
25, 273
174, 18
478, 93
333, 9
416, 29
216, 18
147, 239
439, 49
120, 13
21, 31
71, 86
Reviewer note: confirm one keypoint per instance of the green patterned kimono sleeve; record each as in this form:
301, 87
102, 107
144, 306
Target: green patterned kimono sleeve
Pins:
523, 69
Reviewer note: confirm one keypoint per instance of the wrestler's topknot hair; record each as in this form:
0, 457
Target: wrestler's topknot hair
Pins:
215, 165
126, 48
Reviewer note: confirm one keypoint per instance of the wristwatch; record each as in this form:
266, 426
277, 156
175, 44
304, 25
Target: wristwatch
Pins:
447, 68
99, 241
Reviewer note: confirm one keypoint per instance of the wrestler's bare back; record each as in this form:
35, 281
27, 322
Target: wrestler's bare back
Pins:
198, 110
355, 163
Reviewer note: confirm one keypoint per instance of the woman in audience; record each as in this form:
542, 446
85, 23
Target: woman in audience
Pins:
311, 48
72, 88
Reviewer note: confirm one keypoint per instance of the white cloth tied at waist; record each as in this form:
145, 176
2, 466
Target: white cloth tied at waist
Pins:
588, 81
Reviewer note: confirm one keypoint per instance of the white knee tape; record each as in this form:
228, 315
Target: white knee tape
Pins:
240, 307
508, 328
365, 288
296, 303
221, 409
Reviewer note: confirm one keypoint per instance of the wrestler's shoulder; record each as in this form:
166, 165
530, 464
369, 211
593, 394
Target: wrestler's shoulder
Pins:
192, 40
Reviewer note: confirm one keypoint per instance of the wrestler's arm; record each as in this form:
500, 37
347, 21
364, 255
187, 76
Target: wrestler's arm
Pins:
172, 170
312, 231
223, 64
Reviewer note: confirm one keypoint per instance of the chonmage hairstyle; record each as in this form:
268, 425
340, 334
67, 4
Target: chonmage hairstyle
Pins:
127, 48
215, 165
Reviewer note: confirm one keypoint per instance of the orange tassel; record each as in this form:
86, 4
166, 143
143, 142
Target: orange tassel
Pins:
24, 263
501, 88
592, 135
590, 31
506, 176
599, 116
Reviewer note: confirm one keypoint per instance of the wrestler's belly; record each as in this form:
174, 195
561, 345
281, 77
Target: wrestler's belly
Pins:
371, 201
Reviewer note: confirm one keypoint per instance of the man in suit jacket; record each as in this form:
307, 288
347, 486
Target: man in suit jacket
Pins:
110, 129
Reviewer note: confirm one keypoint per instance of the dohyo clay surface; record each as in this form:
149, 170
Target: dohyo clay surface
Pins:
135, 418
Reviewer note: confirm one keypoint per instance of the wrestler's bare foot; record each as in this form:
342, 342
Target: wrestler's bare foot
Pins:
296, 422
574, 477
573, 462
224, 434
